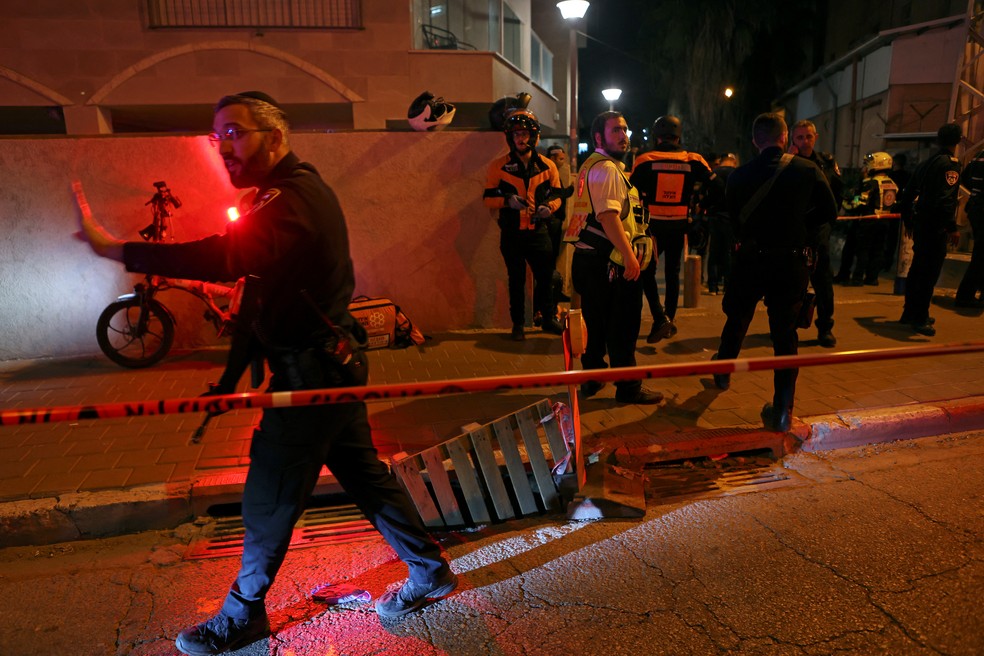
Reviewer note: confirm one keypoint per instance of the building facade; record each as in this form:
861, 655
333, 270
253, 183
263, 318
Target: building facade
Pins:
145, 66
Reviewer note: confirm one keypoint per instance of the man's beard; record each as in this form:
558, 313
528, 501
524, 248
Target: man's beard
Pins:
615, 151
251, 172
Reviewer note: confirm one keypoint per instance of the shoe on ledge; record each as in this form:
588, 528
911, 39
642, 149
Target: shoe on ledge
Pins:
590, 388
776, 420
909, 320
552, 326
721, 381
660, 332
642, 397
926, 328
518, 334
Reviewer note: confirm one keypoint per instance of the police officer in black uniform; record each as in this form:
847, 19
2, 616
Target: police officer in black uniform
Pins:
773, 225
972, 284
928, 206
804, 138
295, 240
713, 204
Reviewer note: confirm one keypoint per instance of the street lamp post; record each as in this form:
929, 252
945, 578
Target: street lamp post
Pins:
573, 11
611, 95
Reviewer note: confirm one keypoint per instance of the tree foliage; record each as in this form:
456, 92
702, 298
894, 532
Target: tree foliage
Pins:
693, 49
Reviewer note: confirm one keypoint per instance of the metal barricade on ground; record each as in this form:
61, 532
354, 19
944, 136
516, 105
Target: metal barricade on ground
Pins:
481, 475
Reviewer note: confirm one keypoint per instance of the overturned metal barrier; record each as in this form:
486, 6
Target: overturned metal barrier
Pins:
485, 474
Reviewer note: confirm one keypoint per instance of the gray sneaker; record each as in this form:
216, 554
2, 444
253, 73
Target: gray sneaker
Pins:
414, 596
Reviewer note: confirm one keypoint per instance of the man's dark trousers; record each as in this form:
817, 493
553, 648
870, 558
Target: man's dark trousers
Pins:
286, 455
822, 279
519, 248
973, 280
780, 278
928, 255
669, 236
612, 312
720, 250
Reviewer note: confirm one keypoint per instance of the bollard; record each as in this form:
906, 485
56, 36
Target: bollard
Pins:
691, 281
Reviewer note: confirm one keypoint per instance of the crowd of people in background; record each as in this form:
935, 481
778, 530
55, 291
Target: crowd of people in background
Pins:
765, 231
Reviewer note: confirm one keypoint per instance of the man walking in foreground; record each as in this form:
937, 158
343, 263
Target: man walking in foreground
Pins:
294, 239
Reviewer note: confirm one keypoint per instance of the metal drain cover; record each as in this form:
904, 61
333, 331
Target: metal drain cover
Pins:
700, 478
317, 526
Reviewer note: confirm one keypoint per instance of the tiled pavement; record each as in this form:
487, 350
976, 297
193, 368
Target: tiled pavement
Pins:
50, 460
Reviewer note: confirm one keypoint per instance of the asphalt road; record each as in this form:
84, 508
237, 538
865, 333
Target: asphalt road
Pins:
874, 550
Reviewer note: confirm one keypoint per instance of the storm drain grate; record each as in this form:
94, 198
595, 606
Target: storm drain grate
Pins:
699, 478
316, 527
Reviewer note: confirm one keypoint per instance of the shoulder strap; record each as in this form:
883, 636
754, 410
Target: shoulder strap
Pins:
763, 191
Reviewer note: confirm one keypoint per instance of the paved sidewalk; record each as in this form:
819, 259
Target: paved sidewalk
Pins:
67, 480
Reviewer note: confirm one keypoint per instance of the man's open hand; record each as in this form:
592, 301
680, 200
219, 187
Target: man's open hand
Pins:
102, 243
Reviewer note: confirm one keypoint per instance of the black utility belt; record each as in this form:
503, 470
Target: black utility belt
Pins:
322, 365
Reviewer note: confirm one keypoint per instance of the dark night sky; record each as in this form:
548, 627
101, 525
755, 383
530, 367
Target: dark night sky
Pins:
611, 64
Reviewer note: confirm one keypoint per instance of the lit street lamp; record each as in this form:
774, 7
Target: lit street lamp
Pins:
573, 11
728, 92
611, 95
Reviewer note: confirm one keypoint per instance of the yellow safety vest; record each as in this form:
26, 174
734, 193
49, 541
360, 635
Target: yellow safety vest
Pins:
585, 228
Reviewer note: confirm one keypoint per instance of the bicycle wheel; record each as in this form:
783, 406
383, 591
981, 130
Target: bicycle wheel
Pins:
129, 342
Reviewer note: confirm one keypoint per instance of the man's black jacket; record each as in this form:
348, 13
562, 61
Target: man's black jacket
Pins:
800, 200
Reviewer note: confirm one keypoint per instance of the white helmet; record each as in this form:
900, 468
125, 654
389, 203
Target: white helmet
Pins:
878, 161
428, 113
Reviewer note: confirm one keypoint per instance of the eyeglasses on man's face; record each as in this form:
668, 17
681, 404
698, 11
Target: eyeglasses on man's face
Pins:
231, 134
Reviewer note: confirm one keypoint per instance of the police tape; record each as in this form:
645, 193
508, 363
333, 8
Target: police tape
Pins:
868, 217
258, 400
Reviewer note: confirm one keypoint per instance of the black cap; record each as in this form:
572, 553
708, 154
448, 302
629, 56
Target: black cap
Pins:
236, 98
949, 134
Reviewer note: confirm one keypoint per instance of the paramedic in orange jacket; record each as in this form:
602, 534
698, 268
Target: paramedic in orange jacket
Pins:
524, 187
666, 177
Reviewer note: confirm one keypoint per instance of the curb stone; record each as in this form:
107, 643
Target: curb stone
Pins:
88, 515
856, 428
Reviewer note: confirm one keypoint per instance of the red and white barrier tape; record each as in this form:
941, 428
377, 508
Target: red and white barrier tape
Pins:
463, 385
868, 217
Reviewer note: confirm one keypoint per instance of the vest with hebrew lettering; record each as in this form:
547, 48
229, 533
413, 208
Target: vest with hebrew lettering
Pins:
584, 227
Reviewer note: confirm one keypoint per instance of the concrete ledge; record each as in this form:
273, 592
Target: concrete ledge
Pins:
88, 515
35, 522
870, 426
702, 443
